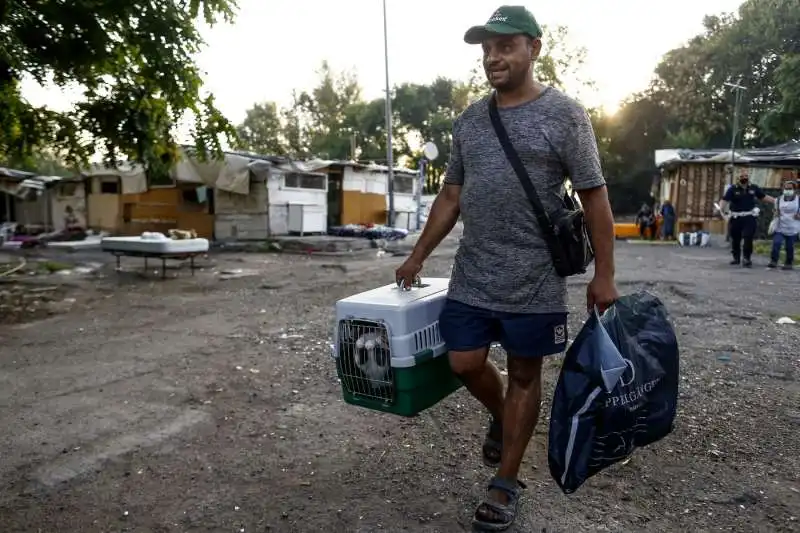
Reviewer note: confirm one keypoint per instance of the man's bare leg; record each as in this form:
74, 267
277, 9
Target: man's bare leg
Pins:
481, 378
520, 414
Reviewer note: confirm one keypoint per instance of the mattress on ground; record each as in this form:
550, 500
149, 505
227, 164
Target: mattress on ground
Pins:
154, 246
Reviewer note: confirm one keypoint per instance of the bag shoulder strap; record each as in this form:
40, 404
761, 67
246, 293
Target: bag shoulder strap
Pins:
519, 169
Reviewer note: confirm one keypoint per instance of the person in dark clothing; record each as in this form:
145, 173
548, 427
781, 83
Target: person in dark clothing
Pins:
742, 198
646, 220
668, 214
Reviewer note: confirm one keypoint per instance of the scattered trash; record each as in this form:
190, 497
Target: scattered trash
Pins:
786, 320
335, 266
724, 357
235, 273
13, 269
254, 371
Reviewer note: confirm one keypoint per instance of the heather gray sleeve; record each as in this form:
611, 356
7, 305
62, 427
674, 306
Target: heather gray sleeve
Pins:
579, 153
454, 175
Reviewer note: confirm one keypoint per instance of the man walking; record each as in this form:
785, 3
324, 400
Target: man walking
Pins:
504, 287
742, 198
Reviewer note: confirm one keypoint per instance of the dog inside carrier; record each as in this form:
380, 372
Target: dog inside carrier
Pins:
365, 359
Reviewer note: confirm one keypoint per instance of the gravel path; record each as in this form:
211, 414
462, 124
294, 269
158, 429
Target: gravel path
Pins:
209, 404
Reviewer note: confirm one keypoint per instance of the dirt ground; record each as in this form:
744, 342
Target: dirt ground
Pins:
210, 403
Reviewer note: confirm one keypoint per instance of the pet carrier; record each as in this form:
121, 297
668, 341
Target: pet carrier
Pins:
389, 354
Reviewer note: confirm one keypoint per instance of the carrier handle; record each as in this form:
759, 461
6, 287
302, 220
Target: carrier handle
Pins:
416, 284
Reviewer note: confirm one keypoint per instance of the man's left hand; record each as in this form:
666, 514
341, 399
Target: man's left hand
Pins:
601, 292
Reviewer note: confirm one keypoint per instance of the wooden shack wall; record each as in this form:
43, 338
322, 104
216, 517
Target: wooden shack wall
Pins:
699, 187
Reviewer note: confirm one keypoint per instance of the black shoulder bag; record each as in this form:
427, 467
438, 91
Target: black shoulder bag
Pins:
565, 230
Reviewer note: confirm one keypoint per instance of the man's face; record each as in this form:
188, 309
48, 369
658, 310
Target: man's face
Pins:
744, 178
507, 60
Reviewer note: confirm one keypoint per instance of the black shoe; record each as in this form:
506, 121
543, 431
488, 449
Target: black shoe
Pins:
787, 267
747, 263
735, 262
772, 264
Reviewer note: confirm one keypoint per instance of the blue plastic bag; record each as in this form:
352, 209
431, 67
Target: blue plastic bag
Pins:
617, 391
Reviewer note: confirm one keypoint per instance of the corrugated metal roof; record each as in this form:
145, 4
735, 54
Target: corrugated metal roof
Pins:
15, 174
789, 151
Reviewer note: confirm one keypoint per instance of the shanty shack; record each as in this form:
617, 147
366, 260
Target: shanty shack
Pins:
695, 180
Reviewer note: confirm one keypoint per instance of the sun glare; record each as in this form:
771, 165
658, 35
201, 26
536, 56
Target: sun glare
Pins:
610, 108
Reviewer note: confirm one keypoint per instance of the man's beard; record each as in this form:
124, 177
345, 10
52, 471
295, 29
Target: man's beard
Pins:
513, 82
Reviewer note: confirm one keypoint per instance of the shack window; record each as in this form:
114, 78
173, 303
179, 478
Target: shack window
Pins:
404, 184
109, 187
305, 181
67, 190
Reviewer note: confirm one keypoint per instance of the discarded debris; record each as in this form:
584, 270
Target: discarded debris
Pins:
786, 320
335, 266
235, 273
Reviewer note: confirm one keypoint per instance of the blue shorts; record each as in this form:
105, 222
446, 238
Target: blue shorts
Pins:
465, 328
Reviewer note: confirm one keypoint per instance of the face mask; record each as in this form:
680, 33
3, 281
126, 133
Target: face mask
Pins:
743, 182
788, 193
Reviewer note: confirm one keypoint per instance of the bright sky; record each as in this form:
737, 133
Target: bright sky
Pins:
275, 46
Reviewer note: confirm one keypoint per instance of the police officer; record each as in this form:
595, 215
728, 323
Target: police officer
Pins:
742, 198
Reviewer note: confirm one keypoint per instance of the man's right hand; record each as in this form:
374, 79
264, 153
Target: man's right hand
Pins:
407, 274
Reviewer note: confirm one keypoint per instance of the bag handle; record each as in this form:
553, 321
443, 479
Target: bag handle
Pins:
519, 169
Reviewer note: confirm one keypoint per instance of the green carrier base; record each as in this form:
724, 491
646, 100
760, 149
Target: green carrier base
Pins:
416, 388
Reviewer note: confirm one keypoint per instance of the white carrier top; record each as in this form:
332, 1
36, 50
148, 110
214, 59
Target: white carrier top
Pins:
392, 297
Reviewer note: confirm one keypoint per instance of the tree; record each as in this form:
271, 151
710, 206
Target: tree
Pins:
755, 48
262, 131
133, 59
332, 119
782, 122
632, 136
426, 113
689, 106
321, 114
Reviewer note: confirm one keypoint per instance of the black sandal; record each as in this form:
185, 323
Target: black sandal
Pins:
494, 516
492, 447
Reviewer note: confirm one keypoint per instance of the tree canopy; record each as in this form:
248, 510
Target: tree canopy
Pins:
133, 60
688, 104
333, 120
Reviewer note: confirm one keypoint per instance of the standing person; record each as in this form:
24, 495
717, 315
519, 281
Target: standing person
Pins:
787, 211
70, 220
504, 286
742, 198
668, 214
646, 221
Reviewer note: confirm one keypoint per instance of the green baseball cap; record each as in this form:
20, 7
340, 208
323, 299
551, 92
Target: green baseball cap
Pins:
506, 20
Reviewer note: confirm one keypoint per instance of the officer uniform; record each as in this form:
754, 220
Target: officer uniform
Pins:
742, 198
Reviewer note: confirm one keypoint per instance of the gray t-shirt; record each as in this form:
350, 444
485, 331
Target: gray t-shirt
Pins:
503, 263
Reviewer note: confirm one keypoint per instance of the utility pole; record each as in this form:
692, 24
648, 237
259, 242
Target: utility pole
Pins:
738, 89
389, 151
